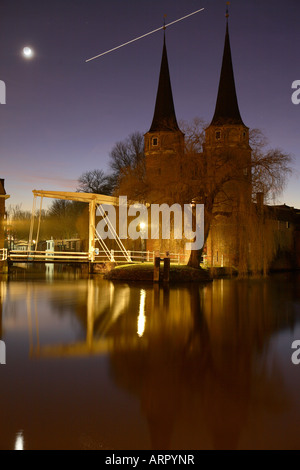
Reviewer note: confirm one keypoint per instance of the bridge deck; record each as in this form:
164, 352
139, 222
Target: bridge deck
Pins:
114, 256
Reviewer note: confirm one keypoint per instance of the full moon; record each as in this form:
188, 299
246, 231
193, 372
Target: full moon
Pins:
27, 52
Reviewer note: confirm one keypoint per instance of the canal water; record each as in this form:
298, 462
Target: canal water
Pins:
92, 364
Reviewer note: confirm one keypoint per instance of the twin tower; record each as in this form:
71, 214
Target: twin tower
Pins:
226, 139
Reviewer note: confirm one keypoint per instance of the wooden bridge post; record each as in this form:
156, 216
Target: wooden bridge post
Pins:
156, 270
167, 269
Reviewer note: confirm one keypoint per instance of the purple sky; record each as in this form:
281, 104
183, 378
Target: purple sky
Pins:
63, 115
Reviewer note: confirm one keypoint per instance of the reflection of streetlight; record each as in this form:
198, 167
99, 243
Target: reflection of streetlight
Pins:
142, 316
19, 443
142, 226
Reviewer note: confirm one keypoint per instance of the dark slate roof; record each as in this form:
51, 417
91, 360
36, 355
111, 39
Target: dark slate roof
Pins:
227, 108
285, 213
164, 118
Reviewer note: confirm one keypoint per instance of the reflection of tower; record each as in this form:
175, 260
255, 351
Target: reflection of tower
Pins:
159, 407
90, 306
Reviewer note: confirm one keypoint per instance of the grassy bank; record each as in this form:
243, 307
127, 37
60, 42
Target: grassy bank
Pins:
144, 272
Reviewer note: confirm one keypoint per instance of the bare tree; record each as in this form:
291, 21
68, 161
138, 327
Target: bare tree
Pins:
270, 167
126, 161
59, 208
18, 222
94, 181
194, 133
126, 158
62, 218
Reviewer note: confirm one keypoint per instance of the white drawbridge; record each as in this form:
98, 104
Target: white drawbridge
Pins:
94, 254
95, 202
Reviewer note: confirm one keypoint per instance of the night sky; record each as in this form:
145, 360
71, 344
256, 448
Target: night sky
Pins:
62, 115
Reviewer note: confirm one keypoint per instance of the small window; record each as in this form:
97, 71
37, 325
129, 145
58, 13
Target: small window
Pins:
245, 170
218, 135
287, 225
244, 135
154, 141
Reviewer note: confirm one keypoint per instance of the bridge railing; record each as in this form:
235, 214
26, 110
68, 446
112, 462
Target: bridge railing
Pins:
48, 255
138, 256
3, 254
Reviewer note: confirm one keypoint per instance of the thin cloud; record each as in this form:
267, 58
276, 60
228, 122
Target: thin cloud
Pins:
51, 181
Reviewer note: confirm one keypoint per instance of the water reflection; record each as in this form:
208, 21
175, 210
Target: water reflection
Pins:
19, 444
142, 317
2, 299
49, 267
96, 310
202, 371
202, 362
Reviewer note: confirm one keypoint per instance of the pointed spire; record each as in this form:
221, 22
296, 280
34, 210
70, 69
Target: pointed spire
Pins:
227, 11
164, 114
227, 108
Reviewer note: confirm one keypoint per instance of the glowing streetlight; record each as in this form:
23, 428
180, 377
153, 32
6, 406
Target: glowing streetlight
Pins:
143, 232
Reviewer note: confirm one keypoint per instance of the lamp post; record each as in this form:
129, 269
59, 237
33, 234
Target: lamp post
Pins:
142, 232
